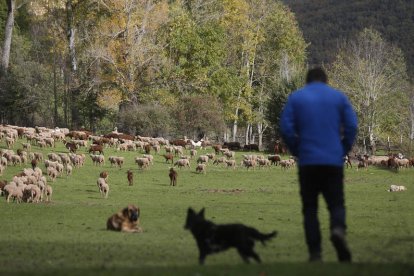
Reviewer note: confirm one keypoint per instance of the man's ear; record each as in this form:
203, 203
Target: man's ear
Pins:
201, 213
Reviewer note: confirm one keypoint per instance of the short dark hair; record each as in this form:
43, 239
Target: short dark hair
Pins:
316, 74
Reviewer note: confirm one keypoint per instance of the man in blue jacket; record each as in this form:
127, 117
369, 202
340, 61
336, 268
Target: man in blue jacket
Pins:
319, 126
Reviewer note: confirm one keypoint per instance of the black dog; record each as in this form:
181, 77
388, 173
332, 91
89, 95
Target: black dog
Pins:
212, 238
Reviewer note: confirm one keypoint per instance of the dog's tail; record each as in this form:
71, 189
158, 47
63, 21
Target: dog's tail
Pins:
262, 237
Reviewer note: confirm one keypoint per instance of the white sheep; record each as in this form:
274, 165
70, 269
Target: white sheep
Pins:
142, 162
202, 159
182, 163
201, 168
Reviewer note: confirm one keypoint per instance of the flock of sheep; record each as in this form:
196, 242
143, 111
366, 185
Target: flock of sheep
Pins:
31, 185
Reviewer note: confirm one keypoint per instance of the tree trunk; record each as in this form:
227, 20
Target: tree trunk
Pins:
73, 84
8, 32
246, 137
55, 98
412, 121
260, 132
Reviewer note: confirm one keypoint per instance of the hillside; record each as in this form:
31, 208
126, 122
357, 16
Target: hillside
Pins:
326, 22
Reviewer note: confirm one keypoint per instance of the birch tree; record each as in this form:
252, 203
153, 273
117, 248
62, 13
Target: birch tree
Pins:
373, 74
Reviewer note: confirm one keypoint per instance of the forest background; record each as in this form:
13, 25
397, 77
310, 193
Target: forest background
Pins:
221, 69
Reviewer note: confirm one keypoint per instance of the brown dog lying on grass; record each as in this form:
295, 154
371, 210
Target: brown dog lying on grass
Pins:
126, 220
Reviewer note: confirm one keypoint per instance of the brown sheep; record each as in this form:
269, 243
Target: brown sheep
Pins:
94, 148
168, 156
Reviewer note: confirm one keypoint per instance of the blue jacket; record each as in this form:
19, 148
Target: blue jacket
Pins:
319, 125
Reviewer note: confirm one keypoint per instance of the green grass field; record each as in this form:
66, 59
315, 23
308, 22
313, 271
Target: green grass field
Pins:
69, 236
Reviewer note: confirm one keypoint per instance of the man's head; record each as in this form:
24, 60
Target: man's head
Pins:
316, 74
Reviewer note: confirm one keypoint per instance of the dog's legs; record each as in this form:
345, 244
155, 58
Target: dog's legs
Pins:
255, 256
202, 258
244, 254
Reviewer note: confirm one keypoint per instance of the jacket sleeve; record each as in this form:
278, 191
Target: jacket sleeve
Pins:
350, 126
288, 127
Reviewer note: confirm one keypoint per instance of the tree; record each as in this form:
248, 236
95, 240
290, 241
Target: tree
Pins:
373, 74
198, 115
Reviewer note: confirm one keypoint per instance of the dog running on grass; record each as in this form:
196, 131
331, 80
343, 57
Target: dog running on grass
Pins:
213, 238
126, 220
173, 177
130, 177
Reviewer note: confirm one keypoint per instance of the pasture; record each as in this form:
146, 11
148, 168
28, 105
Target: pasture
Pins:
69, 236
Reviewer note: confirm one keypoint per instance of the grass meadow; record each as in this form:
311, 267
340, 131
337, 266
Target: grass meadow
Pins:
69, 236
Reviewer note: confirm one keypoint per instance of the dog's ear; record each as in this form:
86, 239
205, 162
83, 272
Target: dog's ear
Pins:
190, 211
125, 212
201, 213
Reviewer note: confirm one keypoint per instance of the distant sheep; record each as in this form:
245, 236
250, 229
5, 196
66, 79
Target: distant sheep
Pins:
396, 188
231, 163
182, 163
142, 162
103, 187
202, 159
201, 168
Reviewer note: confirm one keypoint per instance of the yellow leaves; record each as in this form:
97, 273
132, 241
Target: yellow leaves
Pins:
235, 12
110, 99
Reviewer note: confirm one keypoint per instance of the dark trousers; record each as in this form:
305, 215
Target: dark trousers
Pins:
327, 180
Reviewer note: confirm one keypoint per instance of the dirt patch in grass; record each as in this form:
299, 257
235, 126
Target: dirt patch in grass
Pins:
224, 191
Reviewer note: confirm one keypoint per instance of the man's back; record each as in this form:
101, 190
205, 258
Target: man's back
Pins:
313, 123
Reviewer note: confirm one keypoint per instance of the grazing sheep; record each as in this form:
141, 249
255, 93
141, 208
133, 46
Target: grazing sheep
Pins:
38, 156
149, 157
27, 146
220, 160
115, 160
173, 177
211, 156
3, 161
217, 148
15, 192
103, 187
16, 159
2, 168
288, 163
249, 163
94, 148
396, 188
48, 193
230, 163
178, 150
362, 164
52, 173
147, 149
274, 159
10, 142
229, 154
202, 159
104, 175
156, 148
69, 169
41, 143
201, 168
98, 159
168, 157
142, 162
193, 153
54, 157
263, 163
182, 163
71, 146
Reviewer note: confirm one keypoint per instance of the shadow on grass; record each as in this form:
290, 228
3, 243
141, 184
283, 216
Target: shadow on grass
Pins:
242, 269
